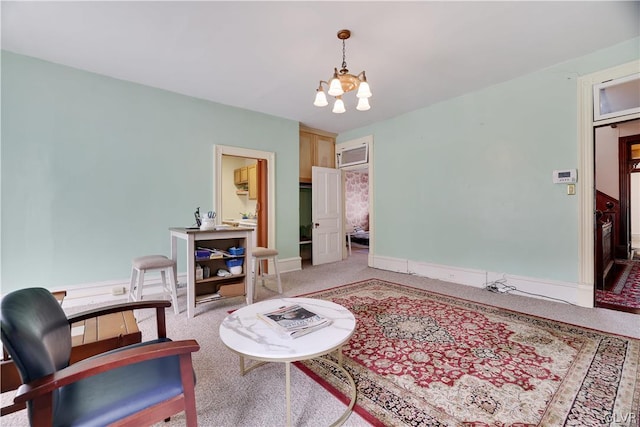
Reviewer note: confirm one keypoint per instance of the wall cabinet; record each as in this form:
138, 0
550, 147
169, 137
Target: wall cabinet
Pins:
241, 176
246, 179
317, 148
253, 181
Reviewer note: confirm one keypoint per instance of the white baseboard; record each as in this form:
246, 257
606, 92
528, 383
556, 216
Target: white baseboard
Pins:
390, 264
101, 292
529, 286
289, 264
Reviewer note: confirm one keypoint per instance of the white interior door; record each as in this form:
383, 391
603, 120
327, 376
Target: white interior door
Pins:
326, 215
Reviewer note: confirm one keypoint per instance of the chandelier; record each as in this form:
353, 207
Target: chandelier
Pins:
343, 82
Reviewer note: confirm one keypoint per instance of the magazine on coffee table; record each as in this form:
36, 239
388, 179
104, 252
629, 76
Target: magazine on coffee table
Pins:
294, 320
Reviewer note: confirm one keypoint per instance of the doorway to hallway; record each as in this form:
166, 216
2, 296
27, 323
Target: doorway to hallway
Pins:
617, 215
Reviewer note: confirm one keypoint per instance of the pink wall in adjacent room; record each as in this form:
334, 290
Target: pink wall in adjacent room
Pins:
357, 200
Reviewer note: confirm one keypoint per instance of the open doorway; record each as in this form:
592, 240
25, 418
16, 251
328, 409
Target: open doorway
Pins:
240, 187
586, 284
629, 165
356, 207
358, 192
225, 190
635, 202
617, 197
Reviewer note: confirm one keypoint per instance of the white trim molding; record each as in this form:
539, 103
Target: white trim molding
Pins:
108, 292
105, 292
286, 265
528, 286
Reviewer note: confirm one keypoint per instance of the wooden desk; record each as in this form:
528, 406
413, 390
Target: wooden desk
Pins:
214, 288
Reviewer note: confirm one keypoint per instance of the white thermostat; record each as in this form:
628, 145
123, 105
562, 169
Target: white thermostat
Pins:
565, 176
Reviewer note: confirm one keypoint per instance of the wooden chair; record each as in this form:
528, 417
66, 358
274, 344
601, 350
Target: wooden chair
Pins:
120, 387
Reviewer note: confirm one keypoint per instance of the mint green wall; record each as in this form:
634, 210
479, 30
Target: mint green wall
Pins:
95, 170
475, 174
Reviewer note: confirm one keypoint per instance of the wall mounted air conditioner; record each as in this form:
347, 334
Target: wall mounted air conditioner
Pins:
616, 98
354, 155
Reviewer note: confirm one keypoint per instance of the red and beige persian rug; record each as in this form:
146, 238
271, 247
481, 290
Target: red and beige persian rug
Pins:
420, 358
626, 291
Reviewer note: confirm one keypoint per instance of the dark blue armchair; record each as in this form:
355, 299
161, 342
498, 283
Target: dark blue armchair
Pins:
135, 385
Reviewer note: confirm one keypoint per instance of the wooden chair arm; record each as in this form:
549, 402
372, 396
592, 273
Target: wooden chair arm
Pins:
159, 305
116, 308
102, 363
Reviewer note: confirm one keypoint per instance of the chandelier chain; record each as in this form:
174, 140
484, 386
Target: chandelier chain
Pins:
344, 61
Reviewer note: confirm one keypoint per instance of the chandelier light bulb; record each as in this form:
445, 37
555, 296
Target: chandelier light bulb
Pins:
363, 104
321, 99
335, 87
338, 107
363, 90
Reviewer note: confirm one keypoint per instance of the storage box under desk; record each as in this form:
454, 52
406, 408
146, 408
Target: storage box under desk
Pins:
232, 290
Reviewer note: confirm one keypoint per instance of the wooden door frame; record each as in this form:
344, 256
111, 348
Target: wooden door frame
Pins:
263, 203
270, 158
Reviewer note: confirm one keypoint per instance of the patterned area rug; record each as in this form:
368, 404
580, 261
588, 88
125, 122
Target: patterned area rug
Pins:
425, 359
627, 291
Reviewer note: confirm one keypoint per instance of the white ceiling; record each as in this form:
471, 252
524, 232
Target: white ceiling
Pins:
269, 56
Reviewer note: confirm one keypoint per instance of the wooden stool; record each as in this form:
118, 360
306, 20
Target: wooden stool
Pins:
261, 254
141, 265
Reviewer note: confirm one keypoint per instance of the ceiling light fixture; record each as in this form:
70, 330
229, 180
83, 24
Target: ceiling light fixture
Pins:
343, 82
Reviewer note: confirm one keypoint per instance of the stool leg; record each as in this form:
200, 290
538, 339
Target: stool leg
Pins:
140, 284
174, 291
132, 285
163, 277
275, 268
256, 272
262, 269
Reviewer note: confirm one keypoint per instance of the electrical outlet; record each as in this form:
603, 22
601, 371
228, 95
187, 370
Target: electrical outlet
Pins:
117, 290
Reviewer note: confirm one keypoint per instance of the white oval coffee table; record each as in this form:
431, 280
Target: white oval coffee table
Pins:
248, 336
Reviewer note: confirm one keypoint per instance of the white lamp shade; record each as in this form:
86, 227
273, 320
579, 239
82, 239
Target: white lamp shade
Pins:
363, 90
363, 104
321, 99
335, 87
338, 107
